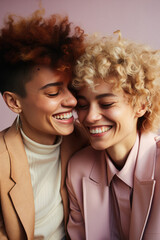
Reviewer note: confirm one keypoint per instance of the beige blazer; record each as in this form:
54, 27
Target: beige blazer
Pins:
16, 195
89, 192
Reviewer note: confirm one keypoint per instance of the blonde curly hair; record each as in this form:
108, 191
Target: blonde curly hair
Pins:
137, 71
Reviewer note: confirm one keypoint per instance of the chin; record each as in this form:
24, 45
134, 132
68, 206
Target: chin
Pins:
65, 133
98, 147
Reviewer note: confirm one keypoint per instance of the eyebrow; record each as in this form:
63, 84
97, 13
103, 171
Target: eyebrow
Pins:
51, 85
98, 96
105, 95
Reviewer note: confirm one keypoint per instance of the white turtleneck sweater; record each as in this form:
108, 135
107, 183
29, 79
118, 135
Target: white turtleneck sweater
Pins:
45, 169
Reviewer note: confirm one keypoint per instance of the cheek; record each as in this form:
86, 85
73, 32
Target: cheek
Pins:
113, 114
118, 114
48, 105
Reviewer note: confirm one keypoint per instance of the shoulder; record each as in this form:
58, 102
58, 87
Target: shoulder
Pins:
149, 149
157, 140
149, 139
4, 156
149, 143
86, 154
8, 137
82, 161
2, 142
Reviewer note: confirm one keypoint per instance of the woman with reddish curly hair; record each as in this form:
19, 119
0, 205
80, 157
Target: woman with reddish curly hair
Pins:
36, 62
114, 185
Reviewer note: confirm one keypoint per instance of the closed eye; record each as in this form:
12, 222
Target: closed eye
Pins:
52, 94
82, 106
107, 105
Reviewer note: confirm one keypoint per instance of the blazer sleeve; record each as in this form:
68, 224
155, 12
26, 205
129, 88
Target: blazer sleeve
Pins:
75, 227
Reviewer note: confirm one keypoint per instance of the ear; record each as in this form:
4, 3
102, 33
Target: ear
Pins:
12, 101
141, 110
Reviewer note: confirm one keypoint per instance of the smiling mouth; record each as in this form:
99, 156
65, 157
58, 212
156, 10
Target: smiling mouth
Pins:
63, 116
96, 130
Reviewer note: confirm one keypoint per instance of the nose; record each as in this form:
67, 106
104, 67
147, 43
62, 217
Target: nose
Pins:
93, 115
69, 100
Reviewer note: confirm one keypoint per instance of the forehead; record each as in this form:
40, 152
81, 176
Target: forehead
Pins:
44, 75
98, 85
102, 89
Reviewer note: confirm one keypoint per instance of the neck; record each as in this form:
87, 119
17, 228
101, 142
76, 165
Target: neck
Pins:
37, 135
118, 160
42, 138
119, 153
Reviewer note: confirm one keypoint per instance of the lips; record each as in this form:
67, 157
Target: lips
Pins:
102, 129
63, 116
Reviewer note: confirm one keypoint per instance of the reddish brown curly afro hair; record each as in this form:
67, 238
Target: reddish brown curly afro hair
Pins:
26, 42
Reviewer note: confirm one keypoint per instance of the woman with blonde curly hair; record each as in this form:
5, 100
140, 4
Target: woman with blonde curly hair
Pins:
37, 55
114, 184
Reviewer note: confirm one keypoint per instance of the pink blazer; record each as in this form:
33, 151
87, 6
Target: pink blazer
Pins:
88, 190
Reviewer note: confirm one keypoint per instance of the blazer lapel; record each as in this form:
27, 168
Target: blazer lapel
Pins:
142, 200
21, 193
96, 200
65, 155
144, 185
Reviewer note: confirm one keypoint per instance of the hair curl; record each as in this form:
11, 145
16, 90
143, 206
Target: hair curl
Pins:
137, 71
26, 42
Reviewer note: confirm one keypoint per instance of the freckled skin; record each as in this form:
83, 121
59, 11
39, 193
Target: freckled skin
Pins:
110, 109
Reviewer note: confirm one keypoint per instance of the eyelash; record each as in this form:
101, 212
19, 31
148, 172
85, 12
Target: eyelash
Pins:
53, 95
85, 106
82, 106
107, 105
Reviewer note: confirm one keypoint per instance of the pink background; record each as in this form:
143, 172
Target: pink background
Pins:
137, 19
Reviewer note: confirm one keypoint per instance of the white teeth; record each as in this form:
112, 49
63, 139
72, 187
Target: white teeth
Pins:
64, 116
99, 130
